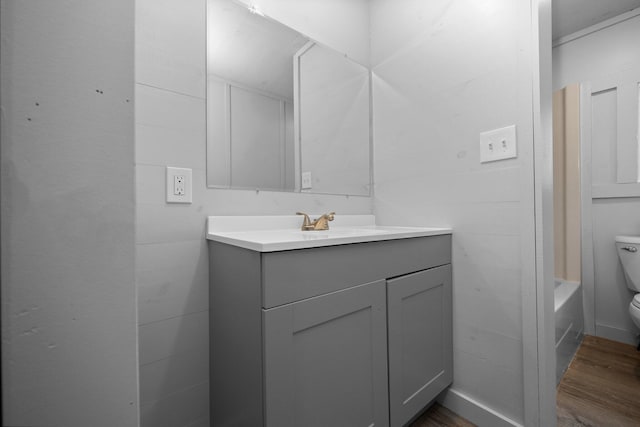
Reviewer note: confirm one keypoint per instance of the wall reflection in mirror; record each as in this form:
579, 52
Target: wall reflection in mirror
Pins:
281, 107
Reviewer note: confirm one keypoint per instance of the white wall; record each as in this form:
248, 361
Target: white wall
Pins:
597, 54
69, 337
170, 131
444, 71
607, 55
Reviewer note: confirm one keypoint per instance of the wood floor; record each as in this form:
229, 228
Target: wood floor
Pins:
601, 388
439, 416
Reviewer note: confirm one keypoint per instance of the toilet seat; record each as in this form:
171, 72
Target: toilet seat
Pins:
636, 300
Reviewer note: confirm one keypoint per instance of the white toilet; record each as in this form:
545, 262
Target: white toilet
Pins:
629, 253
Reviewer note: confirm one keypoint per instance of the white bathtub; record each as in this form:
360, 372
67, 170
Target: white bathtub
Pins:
569, 323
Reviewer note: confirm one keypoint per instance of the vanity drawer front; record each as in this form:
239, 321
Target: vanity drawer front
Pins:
290, 276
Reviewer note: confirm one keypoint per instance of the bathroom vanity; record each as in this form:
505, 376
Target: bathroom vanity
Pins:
345, 327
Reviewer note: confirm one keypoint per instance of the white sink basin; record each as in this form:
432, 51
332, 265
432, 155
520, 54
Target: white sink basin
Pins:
279, 233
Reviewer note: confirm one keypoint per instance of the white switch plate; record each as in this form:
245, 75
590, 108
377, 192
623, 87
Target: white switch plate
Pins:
306, 180
498, 144
179, 185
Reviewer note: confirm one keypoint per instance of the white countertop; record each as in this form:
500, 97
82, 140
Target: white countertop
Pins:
282, 232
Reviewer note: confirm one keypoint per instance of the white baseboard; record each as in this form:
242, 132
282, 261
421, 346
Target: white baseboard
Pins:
616, 334
474, 411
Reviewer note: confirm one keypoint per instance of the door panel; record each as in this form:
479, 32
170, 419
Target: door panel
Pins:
420, 340
325, 360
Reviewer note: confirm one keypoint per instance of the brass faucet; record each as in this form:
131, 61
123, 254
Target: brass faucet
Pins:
321, 223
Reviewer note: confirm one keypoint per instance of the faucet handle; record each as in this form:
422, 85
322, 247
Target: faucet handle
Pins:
306, 222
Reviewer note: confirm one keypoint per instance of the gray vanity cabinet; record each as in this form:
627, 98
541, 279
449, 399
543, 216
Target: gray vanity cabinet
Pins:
345, 335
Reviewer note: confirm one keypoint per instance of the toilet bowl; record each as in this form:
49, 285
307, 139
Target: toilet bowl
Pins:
634, 310
628, 248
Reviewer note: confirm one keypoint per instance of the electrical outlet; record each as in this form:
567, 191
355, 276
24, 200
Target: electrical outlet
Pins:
178, 185
306, 180
498, 144
179, 188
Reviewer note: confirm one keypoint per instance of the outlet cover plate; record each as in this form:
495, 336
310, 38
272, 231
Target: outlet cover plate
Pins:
498, 144
179, 181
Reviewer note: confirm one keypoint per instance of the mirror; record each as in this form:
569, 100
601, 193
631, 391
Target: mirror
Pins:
284, 113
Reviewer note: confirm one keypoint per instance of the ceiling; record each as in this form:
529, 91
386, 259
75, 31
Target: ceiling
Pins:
570, 16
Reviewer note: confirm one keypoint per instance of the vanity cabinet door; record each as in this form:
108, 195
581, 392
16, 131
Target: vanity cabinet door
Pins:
420, 340
325, 360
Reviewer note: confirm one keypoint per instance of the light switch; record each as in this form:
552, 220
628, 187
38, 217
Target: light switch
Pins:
306, 180
498, 144
179, 185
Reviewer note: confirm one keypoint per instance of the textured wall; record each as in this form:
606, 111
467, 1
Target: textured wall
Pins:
444, 71
69, 336
171, 263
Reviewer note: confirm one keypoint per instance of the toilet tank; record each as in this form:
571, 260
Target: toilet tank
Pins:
628, 248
